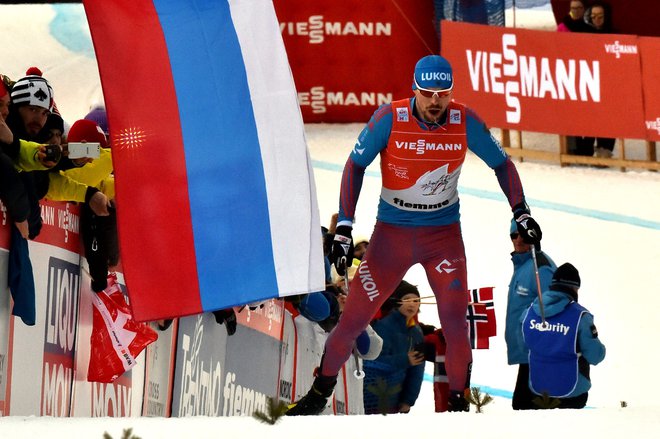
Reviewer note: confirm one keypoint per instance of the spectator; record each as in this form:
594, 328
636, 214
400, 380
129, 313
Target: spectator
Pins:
31, 103
401, 361
98, 115
368, 344
574, 21
597, 20
6, 135
53, 130
418, 220
360, 249
562, 347
522, 291
12, 190
98, 220
92, 183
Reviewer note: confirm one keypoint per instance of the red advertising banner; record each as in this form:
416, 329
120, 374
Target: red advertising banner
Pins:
61, 225
347, 61
553, 82
650, 48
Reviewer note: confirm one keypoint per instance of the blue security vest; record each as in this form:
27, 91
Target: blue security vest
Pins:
553, 357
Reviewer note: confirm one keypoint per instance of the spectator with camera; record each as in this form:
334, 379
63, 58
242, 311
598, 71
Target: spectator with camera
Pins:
394, 379
30, 102
93, 183
12, 190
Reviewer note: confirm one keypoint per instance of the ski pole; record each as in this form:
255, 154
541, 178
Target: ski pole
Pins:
357, 373
538, 284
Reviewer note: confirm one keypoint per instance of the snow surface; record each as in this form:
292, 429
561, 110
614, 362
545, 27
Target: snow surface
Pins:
606, 222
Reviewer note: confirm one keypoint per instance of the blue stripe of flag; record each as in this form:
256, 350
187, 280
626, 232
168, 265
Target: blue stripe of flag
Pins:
229, 205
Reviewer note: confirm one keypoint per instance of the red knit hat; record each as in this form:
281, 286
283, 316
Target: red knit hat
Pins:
88, 131
3, 88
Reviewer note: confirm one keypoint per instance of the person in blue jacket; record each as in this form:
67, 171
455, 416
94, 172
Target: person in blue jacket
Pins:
401, 361
564, 344
522, 291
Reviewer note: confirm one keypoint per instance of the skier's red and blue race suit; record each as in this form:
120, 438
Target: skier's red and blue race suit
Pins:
418, 221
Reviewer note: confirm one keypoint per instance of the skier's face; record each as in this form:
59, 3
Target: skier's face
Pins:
431, 108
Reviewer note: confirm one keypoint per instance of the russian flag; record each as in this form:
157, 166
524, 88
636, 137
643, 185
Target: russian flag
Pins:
216, 200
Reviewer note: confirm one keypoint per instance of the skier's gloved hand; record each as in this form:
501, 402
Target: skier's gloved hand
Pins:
341, 255
528, 228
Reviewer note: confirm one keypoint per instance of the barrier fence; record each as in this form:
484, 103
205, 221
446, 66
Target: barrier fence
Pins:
194, 368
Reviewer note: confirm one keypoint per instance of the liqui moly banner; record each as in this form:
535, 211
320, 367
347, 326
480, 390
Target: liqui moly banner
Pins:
40, 369
346, 61
565, 83
650, 48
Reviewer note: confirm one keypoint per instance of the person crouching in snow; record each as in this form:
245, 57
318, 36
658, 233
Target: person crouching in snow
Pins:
563, 344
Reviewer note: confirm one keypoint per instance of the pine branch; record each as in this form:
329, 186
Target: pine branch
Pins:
383, 392
276, 410
128, 434
475, 397
546, 402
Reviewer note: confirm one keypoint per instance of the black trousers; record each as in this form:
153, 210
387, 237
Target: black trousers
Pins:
523, 397
585, 145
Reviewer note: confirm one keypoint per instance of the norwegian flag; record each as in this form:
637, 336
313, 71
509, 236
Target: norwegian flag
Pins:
481, 317
485, 297
477, 320
440, 380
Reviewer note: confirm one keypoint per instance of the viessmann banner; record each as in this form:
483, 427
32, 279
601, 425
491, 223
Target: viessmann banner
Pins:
553, 82
347, 61
651, 84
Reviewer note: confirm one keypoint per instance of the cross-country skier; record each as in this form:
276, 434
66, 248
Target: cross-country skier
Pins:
422, 142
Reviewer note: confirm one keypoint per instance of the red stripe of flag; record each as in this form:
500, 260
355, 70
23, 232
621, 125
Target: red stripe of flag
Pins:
155, 229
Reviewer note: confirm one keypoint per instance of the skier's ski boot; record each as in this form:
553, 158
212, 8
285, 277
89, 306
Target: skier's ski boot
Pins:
316, 399
457, 402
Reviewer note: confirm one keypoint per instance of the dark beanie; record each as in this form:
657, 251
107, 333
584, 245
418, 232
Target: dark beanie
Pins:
566, 277
403, 289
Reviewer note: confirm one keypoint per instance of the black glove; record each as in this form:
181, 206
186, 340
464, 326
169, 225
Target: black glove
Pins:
528, 228
341, 255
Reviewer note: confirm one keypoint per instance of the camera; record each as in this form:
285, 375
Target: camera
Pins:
78, 150
53, 153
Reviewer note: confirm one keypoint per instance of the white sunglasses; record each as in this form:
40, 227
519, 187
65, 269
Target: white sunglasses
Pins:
428, 93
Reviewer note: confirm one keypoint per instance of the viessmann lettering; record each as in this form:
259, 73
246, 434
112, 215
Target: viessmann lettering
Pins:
422, 145
320, 100
514, 75
316, 28
618, 49
653, 124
